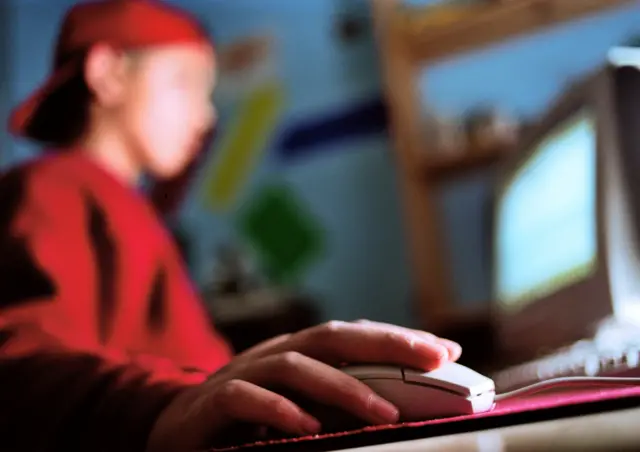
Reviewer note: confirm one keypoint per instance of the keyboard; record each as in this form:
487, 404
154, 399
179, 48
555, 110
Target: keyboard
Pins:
613, 352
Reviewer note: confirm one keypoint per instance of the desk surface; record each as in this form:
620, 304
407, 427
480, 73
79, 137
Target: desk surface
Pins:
616, 430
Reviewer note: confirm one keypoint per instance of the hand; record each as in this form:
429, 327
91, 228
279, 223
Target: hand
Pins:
245, 390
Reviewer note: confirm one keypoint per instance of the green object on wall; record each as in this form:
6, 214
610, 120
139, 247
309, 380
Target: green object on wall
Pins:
285, 235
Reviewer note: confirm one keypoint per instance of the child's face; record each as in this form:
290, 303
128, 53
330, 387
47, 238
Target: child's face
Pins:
167, 109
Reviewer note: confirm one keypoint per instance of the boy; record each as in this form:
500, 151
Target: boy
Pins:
103, 342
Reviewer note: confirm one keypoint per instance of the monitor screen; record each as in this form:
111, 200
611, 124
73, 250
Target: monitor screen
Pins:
546, 222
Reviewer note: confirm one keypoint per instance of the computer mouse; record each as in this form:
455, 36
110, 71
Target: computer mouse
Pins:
450, 390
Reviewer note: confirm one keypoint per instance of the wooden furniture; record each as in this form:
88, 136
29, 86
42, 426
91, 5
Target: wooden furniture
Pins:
410, 39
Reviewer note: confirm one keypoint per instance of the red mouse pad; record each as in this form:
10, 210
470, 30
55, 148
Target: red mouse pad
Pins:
535, 408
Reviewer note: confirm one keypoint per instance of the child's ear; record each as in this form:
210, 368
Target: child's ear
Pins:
106, 73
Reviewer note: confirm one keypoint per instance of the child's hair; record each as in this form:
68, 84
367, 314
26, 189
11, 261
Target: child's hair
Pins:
63, 117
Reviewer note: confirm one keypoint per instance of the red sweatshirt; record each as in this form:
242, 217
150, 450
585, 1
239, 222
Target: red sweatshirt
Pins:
99, 324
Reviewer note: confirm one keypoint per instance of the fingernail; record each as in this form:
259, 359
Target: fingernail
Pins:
458, 349
310, 426
440, 351
383, 411
443, 352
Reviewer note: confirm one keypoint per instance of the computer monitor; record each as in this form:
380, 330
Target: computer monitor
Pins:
566, 219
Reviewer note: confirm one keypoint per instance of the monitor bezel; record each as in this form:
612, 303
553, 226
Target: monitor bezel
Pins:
515, 331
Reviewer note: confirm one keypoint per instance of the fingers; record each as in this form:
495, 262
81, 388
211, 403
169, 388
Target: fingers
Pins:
339, 342
243, 401
265, 348
322, 383
363, 341
453, 348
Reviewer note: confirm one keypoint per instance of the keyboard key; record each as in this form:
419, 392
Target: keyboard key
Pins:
611, 354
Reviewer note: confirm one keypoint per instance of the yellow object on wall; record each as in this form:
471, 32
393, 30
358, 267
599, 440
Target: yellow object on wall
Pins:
240, 148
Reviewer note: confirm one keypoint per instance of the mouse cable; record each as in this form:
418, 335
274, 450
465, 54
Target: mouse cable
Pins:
554, 383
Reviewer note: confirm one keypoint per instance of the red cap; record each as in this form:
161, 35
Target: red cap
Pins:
123, 24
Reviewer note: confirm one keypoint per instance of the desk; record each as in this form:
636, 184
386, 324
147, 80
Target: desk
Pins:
615, 430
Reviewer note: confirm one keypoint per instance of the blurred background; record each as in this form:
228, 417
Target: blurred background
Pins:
301, 209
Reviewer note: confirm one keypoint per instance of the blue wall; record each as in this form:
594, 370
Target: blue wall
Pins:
5, 88
349, 188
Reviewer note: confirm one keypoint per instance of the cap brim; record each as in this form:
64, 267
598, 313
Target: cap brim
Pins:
22, 115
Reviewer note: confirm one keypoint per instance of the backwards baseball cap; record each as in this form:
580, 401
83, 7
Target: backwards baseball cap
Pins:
122, 24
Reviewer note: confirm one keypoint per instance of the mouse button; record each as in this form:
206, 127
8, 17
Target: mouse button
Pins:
483, 402
421, 403
454, 377
366, 372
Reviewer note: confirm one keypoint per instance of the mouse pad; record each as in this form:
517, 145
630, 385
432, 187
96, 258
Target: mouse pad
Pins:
522, 410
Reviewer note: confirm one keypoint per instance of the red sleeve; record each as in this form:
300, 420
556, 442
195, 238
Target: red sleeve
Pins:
59, 389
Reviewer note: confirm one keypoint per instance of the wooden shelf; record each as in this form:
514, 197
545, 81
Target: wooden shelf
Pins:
409, 40
448, 166
430, 38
